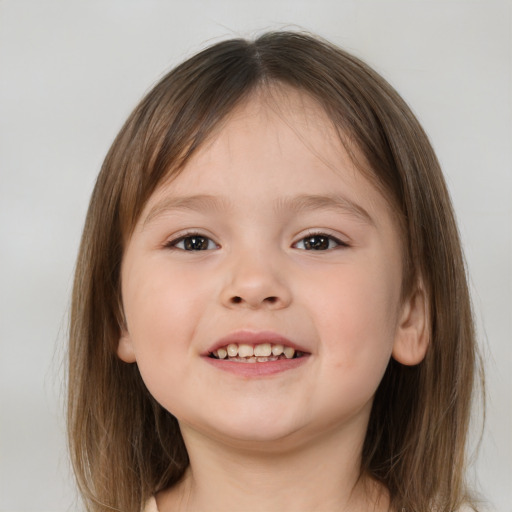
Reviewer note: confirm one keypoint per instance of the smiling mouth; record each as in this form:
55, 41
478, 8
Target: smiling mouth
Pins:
260, 353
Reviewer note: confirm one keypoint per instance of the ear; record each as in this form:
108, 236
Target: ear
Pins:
413, 336
125, 350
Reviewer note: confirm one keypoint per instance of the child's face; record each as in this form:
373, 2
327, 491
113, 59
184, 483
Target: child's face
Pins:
285, 239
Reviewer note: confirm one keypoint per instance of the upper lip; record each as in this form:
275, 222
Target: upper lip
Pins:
254, 338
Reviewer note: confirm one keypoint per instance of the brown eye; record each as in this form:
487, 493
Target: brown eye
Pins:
316, 243
319, 242
194, 243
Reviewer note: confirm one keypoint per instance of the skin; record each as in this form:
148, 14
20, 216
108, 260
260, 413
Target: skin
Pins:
252, 440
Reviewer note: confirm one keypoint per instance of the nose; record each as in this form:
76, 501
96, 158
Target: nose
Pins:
255, 282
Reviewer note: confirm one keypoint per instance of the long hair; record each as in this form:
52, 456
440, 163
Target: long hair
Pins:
124, 446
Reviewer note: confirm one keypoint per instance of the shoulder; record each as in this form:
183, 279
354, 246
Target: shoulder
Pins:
151, 505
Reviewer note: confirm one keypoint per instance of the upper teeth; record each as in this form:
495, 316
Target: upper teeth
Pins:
261, 350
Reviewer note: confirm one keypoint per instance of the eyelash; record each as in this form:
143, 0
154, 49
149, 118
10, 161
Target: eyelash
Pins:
319, 234
173, 244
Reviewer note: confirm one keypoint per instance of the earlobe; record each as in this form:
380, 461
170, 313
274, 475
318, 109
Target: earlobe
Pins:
125, 350
413, 334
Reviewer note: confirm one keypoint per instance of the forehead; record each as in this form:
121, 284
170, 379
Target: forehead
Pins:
278, 142
280, 121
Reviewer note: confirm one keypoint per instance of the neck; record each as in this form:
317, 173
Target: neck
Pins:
321, 474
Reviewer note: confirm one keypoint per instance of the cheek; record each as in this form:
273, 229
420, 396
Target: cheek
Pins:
357, 316
162, 309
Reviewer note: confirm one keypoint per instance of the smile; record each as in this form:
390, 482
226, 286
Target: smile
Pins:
260, 353
269, 352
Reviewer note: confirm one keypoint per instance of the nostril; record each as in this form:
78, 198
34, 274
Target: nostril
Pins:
269, 300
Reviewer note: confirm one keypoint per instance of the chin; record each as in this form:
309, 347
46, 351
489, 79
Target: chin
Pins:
249, 431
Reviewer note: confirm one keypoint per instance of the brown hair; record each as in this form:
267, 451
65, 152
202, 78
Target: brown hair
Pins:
125, 446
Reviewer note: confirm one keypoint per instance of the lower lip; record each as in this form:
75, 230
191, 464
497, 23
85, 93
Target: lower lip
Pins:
257, 369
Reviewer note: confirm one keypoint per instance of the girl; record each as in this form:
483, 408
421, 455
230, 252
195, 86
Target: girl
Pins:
270, 309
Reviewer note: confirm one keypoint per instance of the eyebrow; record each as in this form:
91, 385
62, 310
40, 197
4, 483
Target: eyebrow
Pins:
198, 203
334, 202
297, 204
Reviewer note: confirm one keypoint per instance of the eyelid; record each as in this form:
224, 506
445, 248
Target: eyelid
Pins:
171, 242
322, 232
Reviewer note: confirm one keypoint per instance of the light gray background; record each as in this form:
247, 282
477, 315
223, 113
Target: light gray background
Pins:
70, 73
